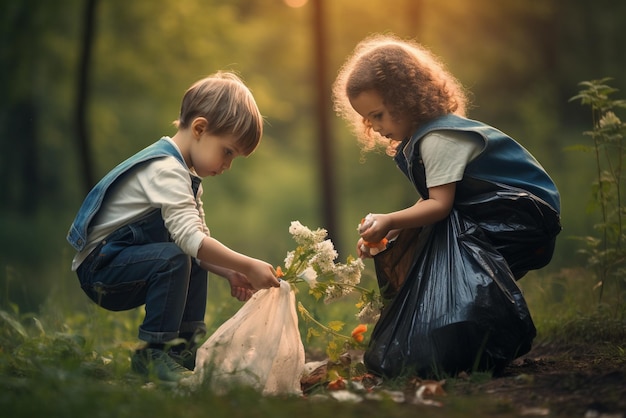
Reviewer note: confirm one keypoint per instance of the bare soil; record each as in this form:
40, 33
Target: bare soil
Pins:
581, 381
553, 380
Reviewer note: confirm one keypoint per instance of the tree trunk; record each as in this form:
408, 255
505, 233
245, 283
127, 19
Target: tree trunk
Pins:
82, 98
326, 158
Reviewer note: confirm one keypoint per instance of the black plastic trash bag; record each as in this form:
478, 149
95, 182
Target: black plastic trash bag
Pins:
453, 303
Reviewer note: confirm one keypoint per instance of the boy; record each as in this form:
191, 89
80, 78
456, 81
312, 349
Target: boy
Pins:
141, 237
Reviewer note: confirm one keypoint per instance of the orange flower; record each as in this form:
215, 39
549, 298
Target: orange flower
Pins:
380, 244
279, 272
357, 333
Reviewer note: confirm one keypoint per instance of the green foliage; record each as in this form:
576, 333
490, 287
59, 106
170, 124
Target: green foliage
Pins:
566, 312
513, 55
58, 373
330, 334
64, 363
28, 351
71, 359
606, 253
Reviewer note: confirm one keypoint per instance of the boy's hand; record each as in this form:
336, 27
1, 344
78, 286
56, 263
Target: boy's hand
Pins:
240, 287
262, 275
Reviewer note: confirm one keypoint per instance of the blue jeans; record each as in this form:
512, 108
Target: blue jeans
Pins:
138, 264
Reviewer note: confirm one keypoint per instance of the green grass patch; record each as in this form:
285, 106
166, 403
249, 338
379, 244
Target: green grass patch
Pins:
73, 359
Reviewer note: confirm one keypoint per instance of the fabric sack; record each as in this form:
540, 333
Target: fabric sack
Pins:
259, 347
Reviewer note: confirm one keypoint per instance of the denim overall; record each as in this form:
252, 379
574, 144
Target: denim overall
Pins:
139, 264
502, 161
505, 190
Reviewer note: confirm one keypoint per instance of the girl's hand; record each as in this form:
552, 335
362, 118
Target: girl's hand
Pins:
362, 250
369, 227
375, 227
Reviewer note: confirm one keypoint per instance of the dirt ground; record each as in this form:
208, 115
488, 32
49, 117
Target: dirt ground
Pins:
581, 381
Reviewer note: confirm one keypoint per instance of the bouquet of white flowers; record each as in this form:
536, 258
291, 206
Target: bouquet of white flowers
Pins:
313, 262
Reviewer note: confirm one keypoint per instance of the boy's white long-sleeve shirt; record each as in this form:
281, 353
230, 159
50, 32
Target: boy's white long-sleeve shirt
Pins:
159, 184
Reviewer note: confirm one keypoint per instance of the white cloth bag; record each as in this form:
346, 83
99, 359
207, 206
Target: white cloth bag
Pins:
259, 347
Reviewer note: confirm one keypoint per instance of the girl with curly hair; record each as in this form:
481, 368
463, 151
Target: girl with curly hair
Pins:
487, 213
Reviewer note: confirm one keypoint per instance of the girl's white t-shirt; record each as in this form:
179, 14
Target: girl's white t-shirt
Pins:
446, 153
162, 183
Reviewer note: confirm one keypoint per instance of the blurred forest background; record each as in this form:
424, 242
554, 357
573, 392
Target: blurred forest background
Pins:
521, 59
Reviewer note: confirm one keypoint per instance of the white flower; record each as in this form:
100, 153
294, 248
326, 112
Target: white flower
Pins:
350, 273
334, 293
304, 236
289, 259
313, 262
310, 276
610, 120
324, 256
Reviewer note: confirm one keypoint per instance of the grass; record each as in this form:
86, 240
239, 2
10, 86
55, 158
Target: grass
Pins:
567, 307
72, 359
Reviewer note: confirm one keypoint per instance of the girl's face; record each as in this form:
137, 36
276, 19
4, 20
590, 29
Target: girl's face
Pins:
211, 155
371, 106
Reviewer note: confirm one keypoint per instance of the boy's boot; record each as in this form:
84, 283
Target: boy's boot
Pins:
185, 352
154, 361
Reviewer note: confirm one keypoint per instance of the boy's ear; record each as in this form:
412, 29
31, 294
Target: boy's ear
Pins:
199, 126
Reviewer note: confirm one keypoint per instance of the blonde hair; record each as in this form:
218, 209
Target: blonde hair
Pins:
413, 83
228, 106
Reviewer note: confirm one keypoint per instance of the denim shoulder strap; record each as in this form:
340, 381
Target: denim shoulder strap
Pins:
77, 234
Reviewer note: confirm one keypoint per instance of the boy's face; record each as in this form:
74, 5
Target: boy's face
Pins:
371, 106
211, 155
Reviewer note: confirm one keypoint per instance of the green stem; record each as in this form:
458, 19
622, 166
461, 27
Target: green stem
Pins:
603, 206
308, 315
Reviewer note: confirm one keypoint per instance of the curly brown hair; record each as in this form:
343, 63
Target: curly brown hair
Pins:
413, 83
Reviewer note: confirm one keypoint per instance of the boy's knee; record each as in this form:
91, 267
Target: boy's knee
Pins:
182, 261
171, 257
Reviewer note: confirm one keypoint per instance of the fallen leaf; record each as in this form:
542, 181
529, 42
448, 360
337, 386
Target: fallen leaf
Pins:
419, 398
433, 387
337, 384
